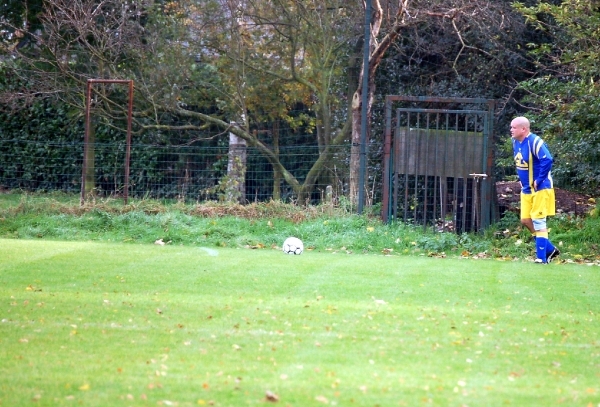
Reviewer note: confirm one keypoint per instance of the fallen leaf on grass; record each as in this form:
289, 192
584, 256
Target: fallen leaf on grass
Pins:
322, 399
272, 397
515, 374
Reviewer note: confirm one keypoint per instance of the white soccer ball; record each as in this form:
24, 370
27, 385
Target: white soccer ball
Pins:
293, 245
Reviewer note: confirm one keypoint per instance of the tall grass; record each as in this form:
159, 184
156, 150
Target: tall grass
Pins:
322, 228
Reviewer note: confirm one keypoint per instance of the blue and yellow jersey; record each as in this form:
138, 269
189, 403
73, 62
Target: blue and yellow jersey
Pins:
534, 162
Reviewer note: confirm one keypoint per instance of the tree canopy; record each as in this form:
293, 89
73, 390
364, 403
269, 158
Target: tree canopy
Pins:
563, 94
203, 68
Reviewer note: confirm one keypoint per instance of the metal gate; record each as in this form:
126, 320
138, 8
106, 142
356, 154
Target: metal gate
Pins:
438, 162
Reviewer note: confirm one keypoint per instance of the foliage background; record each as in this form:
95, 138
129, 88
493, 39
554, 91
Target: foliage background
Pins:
195, 74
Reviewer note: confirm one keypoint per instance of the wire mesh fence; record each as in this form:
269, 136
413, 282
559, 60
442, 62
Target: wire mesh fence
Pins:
184, 172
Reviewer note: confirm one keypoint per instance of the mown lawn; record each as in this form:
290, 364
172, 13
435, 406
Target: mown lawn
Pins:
98, 324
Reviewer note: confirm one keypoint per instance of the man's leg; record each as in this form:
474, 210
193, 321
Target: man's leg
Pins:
526, 204
540, 208
528, 223
551, 252
541, 239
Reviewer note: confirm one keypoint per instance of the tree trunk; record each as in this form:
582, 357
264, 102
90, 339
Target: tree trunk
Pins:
90, 159
277, 176
235, 188
356, 139
376, 19
377, 50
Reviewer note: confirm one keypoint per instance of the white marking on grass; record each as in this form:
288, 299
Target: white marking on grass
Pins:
211, 252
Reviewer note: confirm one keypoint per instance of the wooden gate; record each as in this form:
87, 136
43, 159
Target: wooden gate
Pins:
438, 162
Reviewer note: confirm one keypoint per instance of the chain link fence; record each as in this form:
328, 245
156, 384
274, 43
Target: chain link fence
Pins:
186, 173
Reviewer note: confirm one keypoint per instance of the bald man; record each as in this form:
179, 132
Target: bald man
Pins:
534, 165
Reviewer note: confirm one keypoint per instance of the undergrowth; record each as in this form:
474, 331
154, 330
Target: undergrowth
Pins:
266, 225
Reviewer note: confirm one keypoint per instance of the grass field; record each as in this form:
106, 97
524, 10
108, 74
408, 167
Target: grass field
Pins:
100, 324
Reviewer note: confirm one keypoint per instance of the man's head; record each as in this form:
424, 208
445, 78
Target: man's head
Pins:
519, 128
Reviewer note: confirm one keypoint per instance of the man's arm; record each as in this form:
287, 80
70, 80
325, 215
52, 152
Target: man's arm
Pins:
540, 150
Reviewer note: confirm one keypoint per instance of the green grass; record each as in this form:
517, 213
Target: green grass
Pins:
98, 324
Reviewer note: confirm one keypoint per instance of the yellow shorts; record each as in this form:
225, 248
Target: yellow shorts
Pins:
538, 205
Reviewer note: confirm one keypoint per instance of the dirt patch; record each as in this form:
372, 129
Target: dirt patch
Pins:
566, 201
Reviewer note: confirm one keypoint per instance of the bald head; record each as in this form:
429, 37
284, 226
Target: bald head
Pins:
519, 128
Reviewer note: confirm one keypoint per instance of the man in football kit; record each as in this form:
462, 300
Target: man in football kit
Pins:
534, 164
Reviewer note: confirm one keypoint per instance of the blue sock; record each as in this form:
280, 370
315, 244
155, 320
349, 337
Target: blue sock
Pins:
541, 242
549, 247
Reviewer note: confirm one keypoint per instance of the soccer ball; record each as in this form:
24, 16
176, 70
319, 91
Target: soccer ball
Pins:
293, 245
